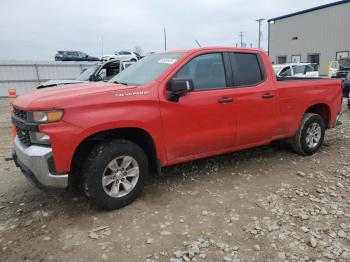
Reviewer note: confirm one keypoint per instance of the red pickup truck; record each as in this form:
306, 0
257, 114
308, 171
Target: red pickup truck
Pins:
167, 108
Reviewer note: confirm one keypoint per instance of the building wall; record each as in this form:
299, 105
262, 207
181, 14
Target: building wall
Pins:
25, 76
324, 31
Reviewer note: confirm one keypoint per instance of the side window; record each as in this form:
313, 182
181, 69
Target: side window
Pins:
309, 68
246, 69
102, 74
207, 72
286, 71
299, 70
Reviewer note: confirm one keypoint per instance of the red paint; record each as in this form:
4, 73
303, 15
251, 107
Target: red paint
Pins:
197, 126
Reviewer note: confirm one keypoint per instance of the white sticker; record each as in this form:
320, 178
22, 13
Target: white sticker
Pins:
167, 61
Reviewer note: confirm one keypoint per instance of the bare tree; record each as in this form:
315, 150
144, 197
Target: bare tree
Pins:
138, 50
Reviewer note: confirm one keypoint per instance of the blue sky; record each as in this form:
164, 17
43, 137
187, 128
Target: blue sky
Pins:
36, 29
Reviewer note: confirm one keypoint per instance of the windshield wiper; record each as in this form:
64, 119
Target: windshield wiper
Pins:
121, 83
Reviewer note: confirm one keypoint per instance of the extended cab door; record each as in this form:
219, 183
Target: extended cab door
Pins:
255, 99
203, 120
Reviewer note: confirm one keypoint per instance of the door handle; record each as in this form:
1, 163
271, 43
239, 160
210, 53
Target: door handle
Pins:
268, 96
225, 100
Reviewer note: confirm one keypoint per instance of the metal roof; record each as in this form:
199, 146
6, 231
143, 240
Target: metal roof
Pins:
310, 10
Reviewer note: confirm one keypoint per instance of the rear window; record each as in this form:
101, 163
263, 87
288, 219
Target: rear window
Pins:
246, 69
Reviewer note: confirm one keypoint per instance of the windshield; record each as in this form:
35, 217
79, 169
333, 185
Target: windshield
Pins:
85, 76
147, 69
277, 69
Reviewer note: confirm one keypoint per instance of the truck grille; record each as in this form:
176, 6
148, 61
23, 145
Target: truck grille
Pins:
20, 113
22, 134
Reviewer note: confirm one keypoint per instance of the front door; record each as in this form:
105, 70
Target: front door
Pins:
203, 120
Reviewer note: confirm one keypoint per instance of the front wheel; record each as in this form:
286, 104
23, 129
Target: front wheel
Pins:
115, 174
310, 135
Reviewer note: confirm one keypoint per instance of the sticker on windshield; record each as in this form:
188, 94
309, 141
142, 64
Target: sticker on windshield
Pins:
167, 61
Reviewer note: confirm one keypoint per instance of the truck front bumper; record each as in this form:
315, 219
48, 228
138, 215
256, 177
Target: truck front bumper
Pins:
34, 164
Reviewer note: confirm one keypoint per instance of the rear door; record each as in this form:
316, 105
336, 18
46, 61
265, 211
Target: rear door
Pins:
255, 99
203, 120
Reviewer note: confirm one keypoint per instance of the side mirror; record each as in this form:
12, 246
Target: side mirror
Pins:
178, 87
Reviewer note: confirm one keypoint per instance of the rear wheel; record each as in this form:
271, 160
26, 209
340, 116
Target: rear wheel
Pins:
310, 135
115, 174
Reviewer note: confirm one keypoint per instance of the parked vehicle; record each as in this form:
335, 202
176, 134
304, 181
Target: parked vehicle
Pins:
74, 56
344, 68
122, 56
346, 89
296, 70
167, 108
102, 71
334, 67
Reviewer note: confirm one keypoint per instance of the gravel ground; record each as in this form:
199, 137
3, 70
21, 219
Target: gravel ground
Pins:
264, 204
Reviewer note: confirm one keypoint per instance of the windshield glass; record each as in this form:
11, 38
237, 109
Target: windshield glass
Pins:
87, 73
277, 69
147, 69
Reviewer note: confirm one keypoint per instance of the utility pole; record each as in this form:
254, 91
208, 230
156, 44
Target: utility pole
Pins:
259, 37
241, 36
164, 39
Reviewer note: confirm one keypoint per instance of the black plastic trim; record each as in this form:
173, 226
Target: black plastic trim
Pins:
23, 124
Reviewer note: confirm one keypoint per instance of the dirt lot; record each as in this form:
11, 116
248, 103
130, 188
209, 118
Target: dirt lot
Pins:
265, 204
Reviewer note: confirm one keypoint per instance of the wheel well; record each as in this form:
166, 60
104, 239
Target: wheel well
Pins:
136, 135
322, 110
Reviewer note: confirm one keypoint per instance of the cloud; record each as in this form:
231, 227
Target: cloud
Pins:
36, 29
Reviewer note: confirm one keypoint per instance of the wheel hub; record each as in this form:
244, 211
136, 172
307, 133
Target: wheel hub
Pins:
313, 135
120, 176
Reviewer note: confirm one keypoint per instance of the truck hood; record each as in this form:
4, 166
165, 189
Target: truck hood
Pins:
51, 83
61, 97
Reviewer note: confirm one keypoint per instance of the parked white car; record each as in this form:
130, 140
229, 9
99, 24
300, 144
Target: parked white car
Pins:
296, 70
102, 71
122, 56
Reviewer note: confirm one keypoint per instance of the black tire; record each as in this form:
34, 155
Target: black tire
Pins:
299, 142
133, 60
95, 167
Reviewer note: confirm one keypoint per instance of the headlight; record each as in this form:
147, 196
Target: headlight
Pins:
47, 116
